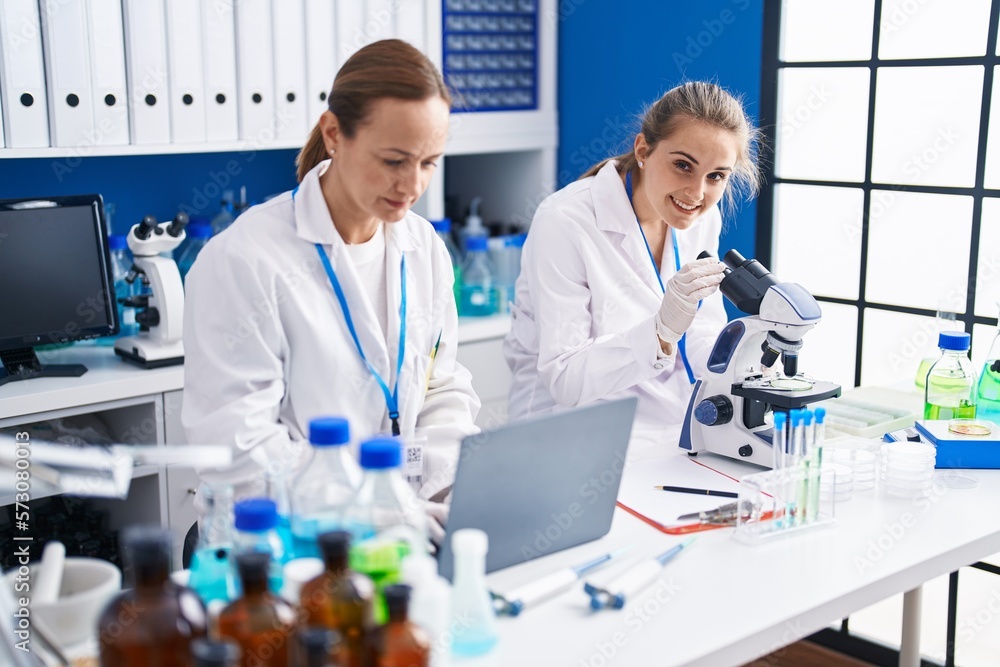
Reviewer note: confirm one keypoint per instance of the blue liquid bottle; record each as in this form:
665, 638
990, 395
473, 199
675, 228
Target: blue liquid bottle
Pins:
212, 573
478, 293
327, 484
256, 521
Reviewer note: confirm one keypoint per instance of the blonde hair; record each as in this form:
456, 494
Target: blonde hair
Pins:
708, 103
389, 68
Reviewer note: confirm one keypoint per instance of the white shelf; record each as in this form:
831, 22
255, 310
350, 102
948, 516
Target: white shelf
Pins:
147, 149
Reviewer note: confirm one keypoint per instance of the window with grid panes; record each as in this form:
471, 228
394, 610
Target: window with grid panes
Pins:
883, 195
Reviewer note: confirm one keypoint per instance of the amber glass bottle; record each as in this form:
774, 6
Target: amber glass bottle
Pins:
208, 653
260, 622
154, 622
340, 599
317, 646
400, 643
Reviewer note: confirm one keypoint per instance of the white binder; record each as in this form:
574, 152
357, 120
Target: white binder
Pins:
255, 71
290, 103
411, 23
350, 24
107, 72
219, 48
146, 65
321, 56
185, 71
67, 74
2, 141
22, 75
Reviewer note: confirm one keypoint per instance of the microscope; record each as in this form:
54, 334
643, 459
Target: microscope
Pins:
160, 314
727, 411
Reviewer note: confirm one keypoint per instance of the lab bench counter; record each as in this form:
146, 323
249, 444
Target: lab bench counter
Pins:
721, 602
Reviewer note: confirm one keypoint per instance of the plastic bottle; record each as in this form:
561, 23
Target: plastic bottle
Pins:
279, 490
209, 653
340, 599
400, 642
213, 573
443, 229
988, 394
386, 518
163, 618
327, 483
121, 264
430, 604
505, 255
945, 321
256, 532
473, 227
951, 381
225, 216
260, 622
316, 646
478, 294
199, 231
471, 607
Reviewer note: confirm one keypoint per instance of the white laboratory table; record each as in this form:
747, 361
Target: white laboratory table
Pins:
721, 602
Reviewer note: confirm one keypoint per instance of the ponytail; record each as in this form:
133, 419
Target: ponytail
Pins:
625, 162
311, 154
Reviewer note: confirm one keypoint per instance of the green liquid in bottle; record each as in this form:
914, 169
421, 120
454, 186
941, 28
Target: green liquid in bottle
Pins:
964, 410
988, 403
925, 365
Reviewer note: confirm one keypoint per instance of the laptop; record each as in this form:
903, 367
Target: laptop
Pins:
540, 485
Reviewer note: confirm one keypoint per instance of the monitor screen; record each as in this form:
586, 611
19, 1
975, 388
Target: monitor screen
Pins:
55, 272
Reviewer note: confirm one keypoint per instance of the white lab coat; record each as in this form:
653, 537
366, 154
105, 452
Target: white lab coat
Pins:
583, 323
267, 347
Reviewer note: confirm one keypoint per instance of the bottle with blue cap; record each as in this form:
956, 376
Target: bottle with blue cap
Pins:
121, 264
385, 517
256, 532
478, 296
951, 382
213, 573
327, 483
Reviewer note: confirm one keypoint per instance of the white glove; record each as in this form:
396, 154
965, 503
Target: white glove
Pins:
695, 281
437, 519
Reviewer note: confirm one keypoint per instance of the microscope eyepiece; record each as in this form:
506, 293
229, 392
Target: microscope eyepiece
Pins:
147, 226
177, 226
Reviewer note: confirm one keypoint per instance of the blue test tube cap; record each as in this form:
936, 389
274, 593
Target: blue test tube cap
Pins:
443, 225
256, 514
807, 417
954, 340
380, 454
329, 432
796, 417
820, 415
779, 420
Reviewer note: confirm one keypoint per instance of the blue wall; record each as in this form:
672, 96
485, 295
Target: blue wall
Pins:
616, 57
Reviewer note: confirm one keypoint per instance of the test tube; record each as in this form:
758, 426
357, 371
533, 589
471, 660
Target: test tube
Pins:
778, 439
816, 462
804, 453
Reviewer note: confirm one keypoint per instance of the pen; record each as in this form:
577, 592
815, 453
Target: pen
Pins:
545, 587
702, 492
615, 593
430, 366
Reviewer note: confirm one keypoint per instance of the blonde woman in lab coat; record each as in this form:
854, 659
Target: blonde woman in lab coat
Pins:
612, 300
269, 342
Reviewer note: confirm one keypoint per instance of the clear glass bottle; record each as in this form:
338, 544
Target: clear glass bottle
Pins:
400, 643
256, 532
261, 623
199, 231
327, 483
951, 381
279, 490
945, 321
478, 293
210, 653
212, 570
470, 597
340, 599
443, 229
121, 264
225, 216
385, 517
988, 394
430, 604
155, 622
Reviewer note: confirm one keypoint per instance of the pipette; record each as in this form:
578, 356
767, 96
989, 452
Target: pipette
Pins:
615, 593
548, 586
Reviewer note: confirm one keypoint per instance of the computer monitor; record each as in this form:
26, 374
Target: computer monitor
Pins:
56, 283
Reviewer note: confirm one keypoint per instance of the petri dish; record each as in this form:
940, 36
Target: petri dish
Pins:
955, 480
791, 384
974, 427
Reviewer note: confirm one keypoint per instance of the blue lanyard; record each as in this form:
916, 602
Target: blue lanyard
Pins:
391, 398
681, 346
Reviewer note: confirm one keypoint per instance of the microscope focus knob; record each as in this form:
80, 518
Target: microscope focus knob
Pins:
714, 410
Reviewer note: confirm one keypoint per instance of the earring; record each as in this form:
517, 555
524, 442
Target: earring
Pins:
332, 151
640, 164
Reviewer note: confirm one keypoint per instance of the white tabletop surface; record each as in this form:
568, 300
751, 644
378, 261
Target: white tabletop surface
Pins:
721, 602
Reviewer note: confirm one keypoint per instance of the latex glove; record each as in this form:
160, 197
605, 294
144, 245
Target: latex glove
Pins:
437, 519
695, 281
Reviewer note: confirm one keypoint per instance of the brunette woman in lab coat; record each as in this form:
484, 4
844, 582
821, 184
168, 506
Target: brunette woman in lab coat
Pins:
269, 344
612, 300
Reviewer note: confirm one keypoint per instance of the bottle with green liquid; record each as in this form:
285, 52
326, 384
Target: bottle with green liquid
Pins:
945, 321
988, 396
951, 381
